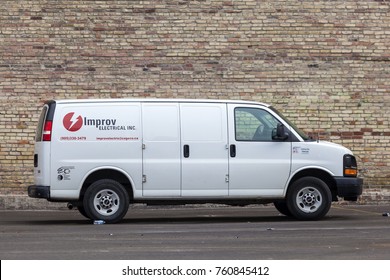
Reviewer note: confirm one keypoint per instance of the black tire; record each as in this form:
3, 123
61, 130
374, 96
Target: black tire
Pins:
82, 211
281, 206
106, 200
309, 198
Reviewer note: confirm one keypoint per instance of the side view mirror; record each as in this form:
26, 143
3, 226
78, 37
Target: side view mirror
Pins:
279, 133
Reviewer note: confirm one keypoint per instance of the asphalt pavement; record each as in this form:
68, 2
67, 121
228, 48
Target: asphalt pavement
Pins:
353, 232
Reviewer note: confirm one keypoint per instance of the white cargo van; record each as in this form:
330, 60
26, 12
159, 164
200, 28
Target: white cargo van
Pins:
102, 155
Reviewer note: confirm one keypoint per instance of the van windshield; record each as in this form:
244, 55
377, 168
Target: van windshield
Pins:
298, 130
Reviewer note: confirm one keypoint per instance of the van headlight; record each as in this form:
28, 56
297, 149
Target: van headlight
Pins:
350, 166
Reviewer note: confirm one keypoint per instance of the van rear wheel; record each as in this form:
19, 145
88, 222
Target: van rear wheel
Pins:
309, 198
82, 211
281, 206
106, 200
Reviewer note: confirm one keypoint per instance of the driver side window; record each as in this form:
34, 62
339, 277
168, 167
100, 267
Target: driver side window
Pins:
253, 124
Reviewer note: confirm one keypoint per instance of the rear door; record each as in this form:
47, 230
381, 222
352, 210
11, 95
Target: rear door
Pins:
204, 149
42, 146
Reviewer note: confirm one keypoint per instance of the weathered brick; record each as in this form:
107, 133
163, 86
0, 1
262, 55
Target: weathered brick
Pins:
324, 63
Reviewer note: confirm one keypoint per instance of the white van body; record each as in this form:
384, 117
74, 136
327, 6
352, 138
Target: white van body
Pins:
184, 151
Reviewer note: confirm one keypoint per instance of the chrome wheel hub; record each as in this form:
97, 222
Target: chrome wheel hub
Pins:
309, 199
106, 202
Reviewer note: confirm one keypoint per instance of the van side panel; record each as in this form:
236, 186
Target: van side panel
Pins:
89, 136
161, 153
204, 150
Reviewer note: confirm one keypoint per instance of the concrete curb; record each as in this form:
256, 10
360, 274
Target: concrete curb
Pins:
23, 202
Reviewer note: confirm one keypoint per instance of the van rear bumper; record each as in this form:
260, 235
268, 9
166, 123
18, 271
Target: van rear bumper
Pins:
349, 188
39, 191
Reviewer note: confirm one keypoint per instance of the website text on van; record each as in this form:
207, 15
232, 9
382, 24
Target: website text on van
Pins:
102, 155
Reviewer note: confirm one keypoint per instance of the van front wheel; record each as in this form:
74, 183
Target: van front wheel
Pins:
106, 200
309, 198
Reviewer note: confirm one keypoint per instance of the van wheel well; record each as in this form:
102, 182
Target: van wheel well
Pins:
320, 174
107, 174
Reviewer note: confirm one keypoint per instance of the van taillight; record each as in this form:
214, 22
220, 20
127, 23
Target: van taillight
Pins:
46, 135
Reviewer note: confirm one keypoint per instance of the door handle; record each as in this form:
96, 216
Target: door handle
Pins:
186, 151
233, 150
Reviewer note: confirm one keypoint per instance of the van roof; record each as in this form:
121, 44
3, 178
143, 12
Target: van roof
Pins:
161, 100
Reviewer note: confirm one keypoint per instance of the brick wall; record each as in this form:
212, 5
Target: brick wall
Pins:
325, 64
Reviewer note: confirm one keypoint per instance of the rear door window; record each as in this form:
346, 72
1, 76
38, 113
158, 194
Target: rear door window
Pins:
41, 122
